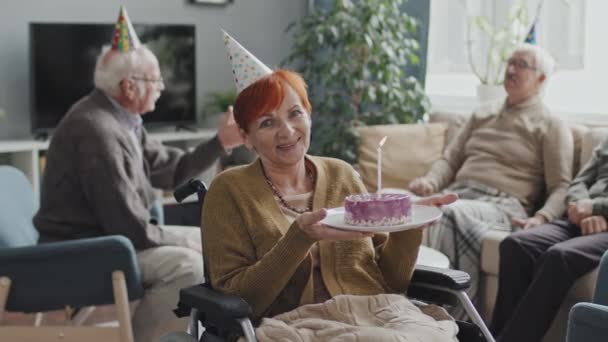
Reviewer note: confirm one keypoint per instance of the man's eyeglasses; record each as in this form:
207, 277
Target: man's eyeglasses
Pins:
157, 81
519, 64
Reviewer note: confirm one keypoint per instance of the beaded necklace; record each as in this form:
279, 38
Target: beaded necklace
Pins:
283, 202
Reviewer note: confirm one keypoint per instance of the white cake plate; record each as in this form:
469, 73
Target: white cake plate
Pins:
421, 215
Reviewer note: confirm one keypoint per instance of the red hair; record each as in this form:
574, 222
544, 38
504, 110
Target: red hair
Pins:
267, 94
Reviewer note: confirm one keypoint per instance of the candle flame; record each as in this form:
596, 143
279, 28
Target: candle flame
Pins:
382, 141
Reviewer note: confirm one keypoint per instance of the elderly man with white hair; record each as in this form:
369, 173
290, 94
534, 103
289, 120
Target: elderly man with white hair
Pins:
511, 164
103, 171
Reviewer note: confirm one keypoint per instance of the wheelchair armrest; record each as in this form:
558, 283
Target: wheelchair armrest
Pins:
447, 278
211, 302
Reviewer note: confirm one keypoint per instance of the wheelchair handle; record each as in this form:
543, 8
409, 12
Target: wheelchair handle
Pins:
190, 187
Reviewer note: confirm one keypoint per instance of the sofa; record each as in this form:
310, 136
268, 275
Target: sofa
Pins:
409, 152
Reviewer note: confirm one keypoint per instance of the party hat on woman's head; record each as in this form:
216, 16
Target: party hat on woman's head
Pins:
246, 68
124, 39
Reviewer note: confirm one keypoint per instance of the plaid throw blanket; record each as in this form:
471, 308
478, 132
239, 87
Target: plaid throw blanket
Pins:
458, 234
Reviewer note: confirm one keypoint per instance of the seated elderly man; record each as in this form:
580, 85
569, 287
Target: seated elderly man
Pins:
538, 266
103, 170
506, 159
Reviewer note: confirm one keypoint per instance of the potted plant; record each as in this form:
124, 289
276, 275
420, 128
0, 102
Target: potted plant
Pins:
216, 103
353, 56
496, 44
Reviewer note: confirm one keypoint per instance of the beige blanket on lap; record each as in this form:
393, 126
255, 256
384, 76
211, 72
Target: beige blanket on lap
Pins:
385, 317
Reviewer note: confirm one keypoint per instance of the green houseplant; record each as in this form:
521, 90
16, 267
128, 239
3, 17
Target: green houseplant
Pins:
218, 102
353, 57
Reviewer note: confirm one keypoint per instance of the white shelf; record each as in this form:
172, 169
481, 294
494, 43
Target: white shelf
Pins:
24, 154
203, 134
22, 145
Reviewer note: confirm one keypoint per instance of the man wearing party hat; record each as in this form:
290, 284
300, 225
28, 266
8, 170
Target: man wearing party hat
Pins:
263, 236
103, 171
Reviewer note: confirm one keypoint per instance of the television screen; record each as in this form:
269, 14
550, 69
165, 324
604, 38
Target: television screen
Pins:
63, 57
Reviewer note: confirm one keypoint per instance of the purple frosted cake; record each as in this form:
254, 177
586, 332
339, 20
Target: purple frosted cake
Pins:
377, 209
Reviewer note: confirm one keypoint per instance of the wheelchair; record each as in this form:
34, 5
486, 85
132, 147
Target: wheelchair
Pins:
227, 317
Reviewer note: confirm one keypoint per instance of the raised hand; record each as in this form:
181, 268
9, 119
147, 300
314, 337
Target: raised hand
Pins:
228, 133
309, 224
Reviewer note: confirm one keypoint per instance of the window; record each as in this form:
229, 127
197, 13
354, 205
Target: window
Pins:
560, 29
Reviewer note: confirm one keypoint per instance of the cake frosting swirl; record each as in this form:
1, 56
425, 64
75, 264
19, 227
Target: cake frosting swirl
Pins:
377, 209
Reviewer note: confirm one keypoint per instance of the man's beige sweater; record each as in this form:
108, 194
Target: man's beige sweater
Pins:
252, 250
521, 150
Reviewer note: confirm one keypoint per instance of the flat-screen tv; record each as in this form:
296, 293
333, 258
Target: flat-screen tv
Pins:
63, 57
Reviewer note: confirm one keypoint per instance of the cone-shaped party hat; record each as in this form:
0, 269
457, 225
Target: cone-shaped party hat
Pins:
246, 68
124, 39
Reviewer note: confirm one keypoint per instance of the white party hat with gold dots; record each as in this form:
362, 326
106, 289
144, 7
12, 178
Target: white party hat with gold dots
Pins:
246, 68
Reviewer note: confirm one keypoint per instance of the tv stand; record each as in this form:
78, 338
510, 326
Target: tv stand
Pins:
28, 155
181, 127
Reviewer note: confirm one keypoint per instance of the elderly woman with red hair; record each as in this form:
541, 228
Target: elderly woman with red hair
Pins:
263, 239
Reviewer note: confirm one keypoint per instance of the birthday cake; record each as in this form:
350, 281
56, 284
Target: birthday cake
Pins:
377, 209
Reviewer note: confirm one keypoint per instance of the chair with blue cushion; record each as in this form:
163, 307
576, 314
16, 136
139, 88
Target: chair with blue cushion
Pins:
71, 275
588, 322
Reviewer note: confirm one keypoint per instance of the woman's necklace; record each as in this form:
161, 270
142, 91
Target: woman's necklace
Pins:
283, 202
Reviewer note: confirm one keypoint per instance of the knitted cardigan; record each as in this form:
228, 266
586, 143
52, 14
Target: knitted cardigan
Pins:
252, 251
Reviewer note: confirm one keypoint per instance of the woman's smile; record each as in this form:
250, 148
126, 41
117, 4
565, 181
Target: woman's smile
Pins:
286, 147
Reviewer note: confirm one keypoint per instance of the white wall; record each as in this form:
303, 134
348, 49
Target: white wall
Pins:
581, 93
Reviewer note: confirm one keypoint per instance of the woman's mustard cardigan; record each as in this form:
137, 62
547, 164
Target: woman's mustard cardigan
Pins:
253, 252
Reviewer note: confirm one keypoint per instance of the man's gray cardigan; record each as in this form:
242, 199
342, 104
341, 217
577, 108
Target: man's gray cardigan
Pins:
95, 182
592, 181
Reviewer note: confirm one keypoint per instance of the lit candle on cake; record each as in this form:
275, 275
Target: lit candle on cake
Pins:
380, 163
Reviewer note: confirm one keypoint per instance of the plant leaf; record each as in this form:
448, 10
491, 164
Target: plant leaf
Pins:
483, 23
